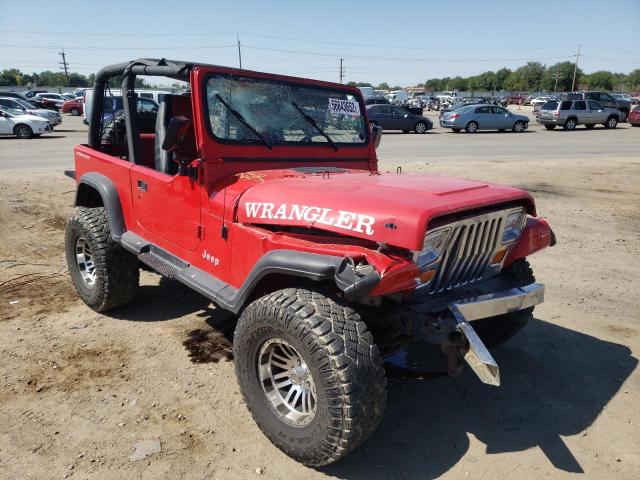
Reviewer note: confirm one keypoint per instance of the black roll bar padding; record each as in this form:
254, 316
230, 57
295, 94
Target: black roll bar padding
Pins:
144, 66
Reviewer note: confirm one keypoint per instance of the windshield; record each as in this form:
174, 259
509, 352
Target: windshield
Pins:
282, 113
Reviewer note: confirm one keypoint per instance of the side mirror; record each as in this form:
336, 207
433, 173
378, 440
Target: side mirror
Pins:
376, 131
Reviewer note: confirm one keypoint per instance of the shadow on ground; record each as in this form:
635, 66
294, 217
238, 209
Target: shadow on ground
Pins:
555, 382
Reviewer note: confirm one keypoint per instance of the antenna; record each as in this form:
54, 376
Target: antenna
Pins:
65, 65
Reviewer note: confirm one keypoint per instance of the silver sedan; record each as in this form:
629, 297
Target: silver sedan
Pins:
472, 118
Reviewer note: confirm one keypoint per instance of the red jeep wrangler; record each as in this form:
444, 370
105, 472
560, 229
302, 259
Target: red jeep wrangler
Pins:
262, 192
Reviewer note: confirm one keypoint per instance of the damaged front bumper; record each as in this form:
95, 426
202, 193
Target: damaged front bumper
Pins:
472, 349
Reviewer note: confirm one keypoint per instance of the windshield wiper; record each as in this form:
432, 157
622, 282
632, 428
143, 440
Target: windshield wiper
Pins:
239, 116
315, 125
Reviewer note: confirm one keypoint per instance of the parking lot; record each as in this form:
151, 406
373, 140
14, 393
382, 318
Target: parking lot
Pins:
79, 389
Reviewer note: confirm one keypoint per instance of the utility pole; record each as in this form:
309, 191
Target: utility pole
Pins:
341, 70
557, 76
575, 69
239, 52
65, 65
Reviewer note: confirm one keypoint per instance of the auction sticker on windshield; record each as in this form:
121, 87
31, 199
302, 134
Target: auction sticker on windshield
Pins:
344, 107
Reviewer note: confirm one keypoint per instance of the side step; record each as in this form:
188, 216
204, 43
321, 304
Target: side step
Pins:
170, 266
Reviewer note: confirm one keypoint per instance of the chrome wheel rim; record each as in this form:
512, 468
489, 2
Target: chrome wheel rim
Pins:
287, 382
85, 262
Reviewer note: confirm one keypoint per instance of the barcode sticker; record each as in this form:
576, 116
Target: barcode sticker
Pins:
344, 107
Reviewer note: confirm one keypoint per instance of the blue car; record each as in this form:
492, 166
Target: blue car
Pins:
472, 118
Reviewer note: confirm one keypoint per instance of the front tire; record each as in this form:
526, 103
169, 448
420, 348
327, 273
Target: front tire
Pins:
420, 127
105, 275
23, 131
612, 122
500, 328
75, 112
518, 127
472, 127
302, 341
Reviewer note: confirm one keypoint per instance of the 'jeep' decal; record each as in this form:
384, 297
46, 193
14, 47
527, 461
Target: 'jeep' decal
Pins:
354, 222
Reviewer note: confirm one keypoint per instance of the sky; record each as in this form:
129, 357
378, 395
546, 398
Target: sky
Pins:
401, 43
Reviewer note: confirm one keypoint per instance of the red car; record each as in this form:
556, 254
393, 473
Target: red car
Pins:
75, 107
263, 193
634, 117
515, 98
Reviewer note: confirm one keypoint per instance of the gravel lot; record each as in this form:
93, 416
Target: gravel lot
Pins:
79, 389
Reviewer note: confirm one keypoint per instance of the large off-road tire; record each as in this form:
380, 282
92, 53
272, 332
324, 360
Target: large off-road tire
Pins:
114, 131
297, 340
496, 330
104, 274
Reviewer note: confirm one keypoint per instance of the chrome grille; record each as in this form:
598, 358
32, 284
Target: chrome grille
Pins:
467, 255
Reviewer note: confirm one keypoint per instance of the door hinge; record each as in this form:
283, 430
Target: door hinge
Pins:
200, 232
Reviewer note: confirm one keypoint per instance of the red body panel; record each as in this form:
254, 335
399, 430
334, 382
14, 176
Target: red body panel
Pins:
359, 208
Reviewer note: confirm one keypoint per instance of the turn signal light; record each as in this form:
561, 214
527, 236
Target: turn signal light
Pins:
499, 256
425, 277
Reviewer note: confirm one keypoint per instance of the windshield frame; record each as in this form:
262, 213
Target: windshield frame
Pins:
301, 83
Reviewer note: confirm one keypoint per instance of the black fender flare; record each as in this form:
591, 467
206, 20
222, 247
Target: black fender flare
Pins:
108, 193
313, 266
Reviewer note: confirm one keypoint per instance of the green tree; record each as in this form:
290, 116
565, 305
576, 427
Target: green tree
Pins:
383, 86
11, 76
564, 72
457, 83
633, 80
501, 78
602, 80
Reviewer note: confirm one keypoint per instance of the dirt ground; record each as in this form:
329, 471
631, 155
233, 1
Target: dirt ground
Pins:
78, 389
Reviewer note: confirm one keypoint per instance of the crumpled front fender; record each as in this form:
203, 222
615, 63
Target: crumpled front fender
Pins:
537, 234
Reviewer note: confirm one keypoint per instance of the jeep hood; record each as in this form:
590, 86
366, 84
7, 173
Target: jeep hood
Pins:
394, 209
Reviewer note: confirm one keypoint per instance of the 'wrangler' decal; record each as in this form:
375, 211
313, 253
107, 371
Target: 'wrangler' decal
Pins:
354, 222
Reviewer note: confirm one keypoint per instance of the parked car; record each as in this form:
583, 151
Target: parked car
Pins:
606, 100
515, 98
19, 96
392, 117
634, 117
472, 118
18, 104
155, 95
53, 101
15, 122
571, 113
539, 101
75, 107
376, 100
33, 93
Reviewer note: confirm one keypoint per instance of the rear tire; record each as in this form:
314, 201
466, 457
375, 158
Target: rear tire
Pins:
329, 352
105, 275
549, 127
612, 122
496, 330
472, 127
23, 131
570, 124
